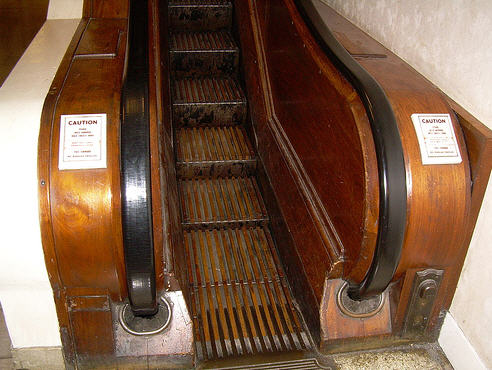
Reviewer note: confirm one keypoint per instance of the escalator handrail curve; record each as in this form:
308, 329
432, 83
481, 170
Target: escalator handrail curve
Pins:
389, 153
135, 171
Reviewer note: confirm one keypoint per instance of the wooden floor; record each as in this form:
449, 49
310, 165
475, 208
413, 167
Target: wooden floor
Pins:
20, 21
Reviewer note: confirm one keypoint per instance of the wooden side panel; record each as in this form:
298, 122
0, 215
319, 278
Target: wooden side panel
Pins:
438, 196
289, 137
100, 39
155, 114
479, 144
91, 323
175, 262
344, 333
80, 209
85, 204
44, 154
304, 115
106, 8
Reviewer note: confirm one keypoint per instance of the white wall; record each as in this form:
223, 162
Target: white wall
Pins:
65, 9
25, 292
450, 43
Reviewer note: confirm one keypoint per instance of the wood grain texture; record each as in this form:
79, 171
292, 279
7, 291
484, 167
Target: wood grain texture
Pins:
341, 331
173, 253
80, 209
155, 117
85, 204
99, 40
439, 196
315, 142
44, 155
317, 171
91, 323
106, 9
479, 144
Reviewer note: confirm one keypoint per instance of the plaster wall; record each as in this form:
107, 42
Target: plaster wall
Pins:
65, 9
25, 292
449, 43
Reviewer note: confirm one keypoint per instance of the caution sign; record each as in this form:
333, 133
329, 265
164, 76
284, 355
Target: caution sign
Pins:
437, 139
82, 141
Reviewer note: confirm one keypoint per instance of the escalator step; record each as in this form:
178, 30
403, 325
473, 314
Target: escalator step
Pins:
240, 300
214, 152
232, 256
195, 54
208, 101
209, 203
200, 15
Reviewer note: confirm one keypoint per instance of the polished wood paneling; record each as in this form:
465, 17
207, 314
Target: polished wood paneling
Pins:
85, 203
91, 323
341, 332
317, 170
106, 8
155, 116
479, 144
315, 143
289, 83
99, 39
439, 196
44, 155
80, 209
173, 253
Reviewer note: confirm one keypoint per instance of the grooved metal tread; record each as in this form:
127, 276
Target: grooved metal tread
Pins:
216, 202
240, 300
304, 364
206, 144
214, 41
207, 90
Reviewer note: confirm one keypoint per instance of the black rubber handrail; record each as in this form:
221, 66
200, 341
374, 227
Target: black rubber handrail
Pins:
136, 199
389, 152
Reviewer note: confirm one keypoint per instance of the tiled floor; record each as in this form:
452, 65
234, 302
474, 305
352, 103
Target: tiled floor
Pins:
20, 21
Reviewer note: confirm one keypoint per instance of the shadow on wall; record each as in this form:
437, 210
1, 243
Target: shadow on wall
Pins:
20, 21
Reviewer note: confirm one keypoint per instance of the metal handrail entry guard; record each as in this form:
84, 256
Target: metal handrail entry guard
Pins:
136, 199
389, 153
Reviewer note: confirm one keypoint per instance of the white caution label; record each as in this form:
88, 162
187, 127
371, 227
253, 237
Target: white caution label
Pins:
437, 139
82, 141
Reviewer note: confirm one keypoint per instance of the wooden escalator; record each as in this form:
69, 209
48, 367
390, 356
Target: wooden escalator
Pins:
241, 302
263, 189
